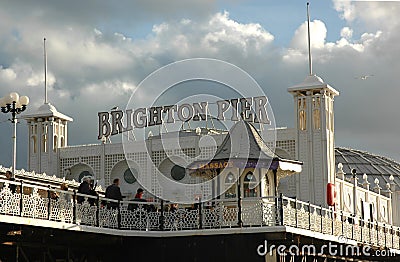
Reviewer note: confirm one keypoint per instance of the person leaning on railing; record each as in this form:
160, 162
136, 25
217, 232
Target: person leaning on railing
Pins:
13, 187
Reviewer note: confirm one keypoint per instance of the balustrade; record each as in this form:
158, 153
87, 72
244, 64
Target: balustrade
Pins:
37, 202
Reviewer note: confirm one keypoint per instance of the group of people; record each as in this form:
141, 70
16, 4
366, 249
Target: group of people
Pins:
112, 193
86, 187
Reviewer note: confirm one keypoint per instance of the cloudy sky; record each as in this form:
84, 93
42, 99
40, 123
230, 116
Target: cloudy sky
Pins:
99, 51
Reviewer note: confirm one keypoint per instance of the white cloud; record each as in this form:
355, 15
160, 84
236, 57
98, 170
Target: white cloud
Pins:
7, 74
346, 32
91, 69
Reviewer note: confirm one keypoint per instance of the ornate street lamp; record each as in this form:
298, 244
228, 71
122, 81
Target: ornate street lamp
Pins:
14, 104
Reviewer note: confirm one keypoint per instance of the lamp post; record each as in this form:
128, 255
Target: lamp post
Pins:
15, 105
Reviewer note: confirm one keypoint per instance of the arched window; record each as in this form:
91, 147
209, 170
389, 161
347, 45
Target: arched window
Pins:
44, 143
34, 144
55, 143
317, 121
250, 185
230, 186
302, 120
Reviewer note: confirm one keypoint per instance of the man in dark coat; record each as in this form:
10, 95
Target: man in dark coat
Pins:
84, 188
113, 192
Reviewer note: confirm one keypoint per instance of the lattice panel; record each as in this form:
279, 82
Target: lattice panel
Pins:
288, 145
9, 203
365, 234
137, 219
207, 152
86, 213
108, 218
61, 210
95, 163
34, 205
110, 161
315, 221
230, 217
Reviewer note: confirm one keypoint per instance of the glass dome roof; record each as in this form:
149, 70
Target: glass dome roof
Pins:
374, 166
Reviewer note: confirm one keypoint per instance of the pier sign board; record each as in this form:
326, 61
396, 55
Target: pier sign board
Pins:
251, 109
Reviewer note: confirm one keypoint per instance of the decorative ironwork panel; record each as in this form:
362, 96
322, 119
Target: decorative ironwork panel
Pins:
154, 220
348, 229
315, 221
212, 216
374, 236
181, 219
381, 237
136, 219
229, 216
34, 205
270, 214
9, 203
337, 229
289, 215
396, 242
388, 238
357, 232
108, 217
86, 213
365, 234
252, 213
61, 210
326, 224
302, 218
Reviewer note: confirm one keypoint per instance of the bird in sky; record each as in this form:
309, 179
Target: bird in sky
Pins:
364, 77
114, 108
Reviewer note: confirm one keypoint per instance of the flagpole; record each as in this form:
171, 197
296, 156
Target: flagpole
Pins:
45, 71
309, 40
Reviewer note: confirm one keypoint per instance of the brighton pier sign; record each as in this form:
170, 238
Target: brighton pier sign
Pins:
251, 109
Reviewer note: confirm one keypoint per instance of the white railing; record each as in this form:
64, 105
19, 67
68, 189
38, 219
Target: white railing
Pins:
33, 201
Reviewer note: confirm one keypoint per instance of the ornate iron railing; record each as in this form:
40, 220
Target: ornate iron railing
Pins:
33, 201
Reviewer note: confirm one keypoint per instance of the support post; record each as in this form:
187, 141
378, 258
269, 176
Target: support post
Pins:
240, 222
161, 220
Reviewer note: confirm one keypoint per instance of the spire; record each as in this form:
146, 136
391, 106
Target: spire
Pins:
45, 71
309, 40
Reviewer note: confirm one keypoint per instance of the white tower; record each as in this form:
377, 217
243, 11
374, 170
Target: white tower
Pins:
47, 129
314, 112
47, 132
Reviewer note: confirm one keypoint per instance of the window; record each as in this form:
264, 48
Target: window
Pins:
250, 185
177, 172
34, 144
130, 175
55, 143
317, 121
230, 185
302, 120
44, 143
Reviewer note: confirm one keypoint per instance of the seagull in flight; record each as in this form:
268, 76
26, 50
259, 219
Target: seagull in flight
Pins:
114, 108
364, 77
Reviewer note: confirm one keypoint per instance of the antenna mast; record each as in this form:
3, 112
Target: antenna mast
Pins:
309, 40
45, 71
